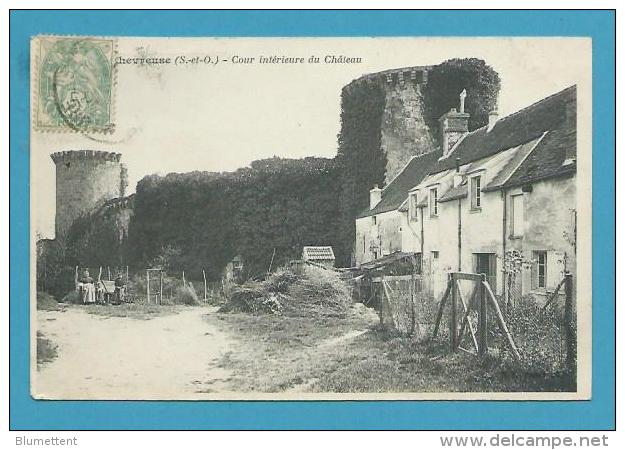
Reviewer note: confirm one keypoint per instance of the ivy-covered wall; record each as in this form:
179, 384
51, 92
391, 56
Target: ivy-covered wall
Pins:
200, 220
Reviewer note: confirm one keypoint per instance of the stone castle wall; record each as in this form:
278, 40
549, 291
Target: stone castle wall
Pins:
84, 180
403, 129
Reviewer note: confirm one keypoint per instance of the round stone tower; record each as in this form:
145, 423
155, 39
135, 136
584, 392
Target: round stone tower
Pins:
85, 179
403, 130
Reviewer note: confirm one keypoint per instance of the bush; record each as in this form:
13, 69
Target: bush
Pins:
538, 335
72, 297
46, 302
173, 290
46, 349
185, 295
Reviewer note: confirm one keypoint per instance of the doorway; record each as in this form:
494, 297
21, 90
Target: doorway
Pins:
486, 263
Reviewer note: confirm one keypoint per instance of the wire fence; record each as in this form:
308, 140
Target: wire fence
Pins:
541, 328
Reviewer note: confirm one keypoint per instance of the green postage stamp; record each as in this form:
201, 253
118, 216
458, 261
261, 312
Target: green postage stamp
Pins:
74, 84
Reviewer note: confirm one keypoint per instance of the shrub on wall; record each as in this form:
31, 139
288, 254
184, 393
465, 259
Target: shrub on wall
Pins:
276, 204
360, 156
447, 80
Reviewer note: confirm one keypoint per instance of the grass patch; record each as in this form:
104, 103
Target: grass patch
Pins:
386, 363
299, 354
46, 349
277, 353
132, 310
46, 302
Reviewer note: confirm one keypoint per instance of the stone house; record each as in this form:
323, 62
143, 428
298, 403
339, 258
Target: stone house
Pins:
509, 185
380, 229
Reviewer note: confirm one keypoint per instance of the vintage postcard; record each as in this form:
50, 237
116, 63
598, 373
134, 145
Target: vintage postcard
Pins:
310, 218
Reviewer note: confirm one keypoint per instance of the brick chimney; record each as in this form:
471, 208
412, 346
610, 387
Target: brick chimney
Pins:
375, 196
493, 117
453, 125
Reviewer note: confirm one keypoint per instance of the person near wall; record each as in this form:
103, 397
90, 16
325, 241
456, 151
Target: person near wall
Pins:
86, 288
120, 288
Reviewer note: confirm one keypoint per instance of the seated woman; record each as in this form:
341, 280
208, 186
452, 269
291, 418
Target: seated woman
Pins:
86, 288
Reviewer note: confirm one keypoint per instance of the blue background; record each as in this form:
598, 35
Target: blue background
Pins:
599, 413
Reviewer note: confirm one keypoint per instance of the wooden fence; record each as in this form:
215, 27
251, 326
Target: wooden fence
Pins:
474, 320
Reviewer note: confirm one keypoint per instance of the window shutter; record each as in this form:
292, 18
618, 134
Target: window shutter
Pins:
555, 268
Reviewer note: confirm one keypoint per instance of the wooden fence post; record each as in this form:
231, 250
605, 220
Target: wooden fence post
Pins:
147, 277
453, 322
204, 275
413, 312
569, 326
160, 296
482, 319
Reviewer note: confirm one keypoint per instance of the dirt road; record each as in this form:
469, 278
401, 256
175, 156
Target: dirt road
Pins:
173, 356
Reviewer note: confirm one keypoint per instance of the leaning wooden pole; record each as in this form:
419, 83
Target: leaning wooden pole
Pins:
467, 310
469, 305
273, 255
482, 321
502, 322
441, 307
453, 320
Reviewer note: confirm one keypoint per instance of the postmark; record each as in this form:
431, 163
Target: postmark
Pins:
75, 84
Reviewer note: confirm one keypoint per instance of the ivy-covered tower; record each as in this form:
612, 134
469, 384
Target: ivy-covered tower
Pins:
84, 180
403, 131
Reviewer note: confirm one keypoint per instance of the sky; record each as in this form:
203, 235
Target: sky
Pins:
180, 118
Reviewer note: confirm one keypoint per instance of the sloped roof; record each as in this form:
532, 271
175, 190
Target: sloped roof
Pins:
456, 192
324, 253
394, 194
546, 161
518, 156
518, 128
386, 260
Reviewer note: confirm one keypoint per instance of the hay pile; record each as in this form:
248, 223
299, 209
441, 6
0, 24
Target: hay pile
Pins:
317, 292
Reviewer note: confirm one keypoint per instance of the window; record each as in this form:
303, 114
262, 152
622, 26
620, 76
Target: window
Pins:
374, 220
517, 217
476, 192
414, 209
434, 254
540, 274
433, 202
